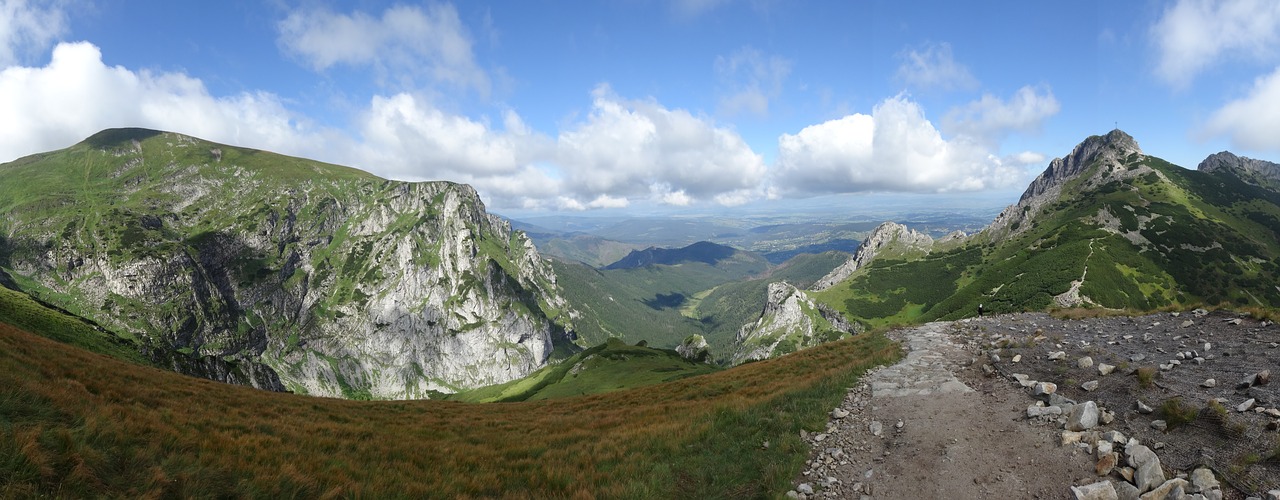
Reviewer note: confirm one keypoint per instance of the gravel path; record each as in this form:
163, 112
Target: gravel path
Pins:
932, 426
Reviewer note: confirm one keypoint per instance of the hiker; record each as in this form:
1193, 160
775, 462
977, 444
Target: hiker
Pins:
979, 310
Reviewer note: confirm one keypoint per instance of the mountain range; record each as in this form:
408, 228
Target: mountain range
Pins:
1107, 226
287, 274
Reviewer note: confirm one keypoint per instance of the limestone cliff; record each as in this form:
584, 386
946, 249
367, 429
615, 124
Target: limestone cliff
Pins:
790, 321
256, 268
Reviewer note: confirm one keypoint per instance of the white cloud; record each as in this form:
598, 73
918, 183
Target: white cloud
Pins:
894, 149
750, 79
934, 67
406, 40
1191, 35
28, 28
626, 146
990, 119
1251, 121
76, 95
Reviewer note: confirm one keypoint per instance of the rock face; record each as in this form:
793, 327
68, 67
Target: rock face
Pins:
791, 320
889, 235
250, 267
694, 348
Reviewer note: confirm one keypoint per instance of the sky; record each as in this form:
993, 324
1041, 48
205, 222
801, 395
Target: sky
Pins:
655, 105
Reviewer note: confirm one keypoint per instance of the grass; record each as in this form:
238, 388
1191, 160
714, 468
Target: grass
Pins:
76, 424
1176, 413
1147, 376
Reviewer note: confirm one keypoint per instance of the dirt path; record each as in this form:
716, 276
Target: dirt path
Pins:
932, 426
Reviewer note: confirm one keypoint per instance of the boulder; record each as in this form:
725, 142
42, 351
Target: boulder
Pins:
1245, 406
1209, 383
1150, 476
1085, 362
1083, 416
1105, 369
1091, 385
1101, 490
1202, 480
1139, 454
1044, 388
1126, 491
1055, 356
1106, 464
1166, 489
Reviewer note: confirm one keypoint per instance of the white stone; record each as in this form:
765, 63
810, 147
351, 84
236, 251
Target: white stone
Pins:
1101, 490
1105, 369
1083, 416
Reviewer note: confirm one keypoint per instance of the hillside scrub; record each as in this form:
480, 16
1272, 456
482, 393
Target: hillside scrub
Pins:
74, 423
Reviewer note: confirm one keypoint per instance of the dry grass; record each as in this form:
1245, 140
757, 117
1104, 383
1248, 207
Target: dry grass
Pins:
77, 424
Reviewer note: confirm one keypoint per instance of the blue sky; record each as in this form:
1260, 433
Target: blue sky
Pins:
640, 105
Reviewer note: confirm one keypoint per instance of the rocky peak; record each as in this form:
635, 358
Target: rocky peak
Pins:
1116, 144
885, 236
1246, 168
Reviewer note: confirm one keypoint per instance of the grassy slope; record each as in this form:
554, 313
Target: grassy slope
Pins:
611, 366
74, 423
1024, 273
17, 308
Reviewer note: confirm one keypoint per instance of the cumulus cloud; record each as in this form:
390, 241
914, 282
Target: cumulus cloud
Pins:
76, 95
629, 148
1192, 34
751, 79
1251, 121
933, 67
408, 40
990, 119
895, 148
28, 28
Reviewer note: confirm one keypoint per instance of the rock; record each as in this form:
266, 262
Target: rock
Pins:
1245, 406
1039, 410
1105, 417
1084, 362
1273, 495
1159, 425
1207, 346
1233, 321
1083, 416
1138, 454
1209, 383
1166, 489
1017, 358
1187, 323
1101, 490
839, 413
805, 488
1071, 437
1127, 474
1091, 385
1023, 379
820, 438
988, 370
1199, 312
1149, 476
1137, 357
995, 358
1202, 480
793, 494
1106, 464
899, 425
1105, 369
1262, 378
876, 428
1126, 491
1057, 355
1143, 408
1114, 436
1044, 388
1056, 399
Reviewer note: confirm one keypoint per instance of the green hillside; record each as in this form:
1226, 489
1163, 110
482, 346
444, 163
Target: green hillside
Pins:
611, 366
1131, 231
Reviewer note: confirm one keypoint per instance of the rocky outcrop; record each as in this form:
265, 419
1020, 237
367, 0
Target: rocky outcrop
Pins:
889, 237
255, 268
694, 348
791, 320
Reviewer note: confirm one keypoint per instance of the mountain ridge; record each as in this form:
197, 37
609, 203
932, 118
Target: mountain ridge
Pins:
342, 283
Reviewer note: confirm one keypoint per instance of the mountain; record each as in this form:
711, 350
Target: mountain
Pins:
1106, 226
278, 272
1257, 172
790, 321
702, 251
